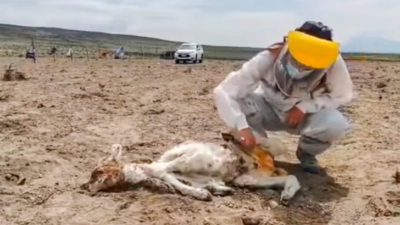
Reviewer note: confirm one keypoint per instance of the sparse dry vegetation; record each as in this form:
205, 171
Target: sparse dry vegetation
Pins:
13, 75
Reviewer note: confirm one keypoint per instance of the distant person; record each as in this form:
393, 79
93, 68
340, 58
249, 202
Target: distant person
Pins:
294, 86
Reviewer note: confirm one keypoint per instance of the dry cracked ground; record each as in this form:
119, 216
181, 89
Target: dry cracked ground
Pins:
57, 124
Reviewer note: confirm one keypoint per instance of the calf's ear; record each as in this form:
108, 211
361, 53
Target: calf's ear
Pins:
116, 152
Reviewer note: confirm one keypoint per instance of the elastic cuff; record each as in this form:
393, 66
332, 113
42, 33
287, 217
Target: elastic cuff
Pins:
303, 106
242, 123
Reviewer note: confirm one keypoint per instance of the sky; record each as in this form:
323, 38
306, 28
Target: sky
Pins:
253, 23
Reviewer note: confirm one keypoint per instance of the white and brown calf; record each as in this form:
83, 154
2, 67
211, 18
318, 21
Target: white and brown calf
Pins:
200, 170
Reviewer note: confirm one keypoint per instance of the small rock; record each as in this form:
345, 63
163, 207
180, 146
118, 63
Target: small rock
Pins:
230, 205
168, 210
154, 112
273, 204
381, 85
8, 177
246, 220
21, 181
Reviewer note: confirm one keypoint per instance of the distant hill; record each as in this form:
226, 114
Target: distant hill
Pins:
372, 45
13, 36
47, 37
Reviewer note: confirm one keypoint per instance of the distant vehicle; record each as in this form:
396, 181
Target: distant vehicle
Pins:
189, 52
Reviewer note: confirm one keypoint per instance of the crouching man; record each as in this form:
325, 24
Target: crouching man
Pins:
294, 86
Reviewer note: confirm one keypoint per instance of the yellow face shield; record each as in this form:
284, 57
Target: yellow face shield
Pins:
311, 51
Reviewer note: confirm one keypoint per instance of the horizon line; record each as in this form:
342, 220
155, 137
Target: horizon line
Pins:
166, 40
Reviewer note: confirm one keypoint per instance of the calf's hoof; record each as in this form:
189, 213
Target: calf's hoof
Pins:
292, 186
285, 200
224, 192
219, 191
203, 195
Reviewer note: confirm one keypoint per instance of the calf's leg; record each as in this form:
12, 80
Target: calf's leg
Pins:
289, 184
215, 186
197, 193
218, 187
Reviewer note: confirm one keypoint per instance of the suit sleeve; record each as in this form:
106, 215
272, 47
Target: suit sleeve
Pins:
237, 85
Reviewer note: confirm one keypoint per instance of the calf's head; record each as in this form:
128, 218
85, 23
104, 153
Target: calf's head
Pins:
261, 157
108, 175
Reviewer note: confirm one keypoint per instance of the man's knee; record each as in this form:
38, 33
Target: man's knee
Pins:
327, 125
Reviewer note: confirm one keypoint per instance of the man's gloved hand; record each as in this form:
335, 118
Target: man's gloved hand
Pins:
246, 138
295, 116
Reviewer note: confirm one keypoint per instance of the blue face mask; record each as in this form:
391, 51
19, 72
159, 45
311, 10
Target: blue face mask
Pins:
294, 73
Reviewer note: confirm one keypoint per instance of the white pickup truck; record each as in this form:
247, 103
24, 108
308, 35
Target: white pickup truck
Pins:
189, 52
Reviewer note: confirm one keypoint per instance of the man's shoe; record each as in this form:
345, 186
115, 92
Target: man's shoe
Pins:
309, 163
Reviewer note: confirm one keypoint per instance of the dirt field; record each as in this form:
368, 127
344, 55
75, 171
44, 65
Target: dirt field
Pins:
55, 126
